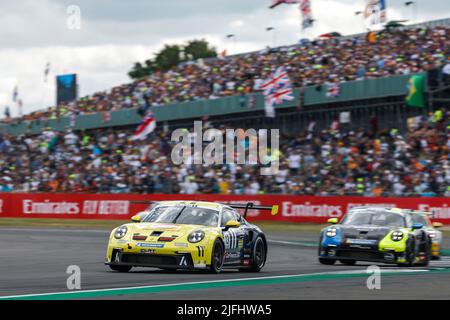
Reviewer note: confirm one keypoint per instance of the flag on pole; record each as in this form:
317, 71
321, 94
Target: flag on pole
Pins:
416, 88
20, 105
305, 8
375, 13
146, 127
15, 94
47, 71
276, 3
7, 112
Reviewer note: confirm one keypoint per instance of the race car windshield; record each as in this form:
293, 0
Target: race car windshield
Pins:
380, 219
184, 215
417, 218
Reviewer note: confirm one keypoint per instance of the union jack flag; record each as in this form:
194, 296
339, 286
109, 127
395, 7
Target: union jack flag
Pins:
277, 89
278, 80
333, 90
282, 96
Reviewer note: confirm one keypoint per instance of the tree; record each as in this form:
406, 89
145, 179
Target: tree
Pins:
171, 56
168, 57
199, 49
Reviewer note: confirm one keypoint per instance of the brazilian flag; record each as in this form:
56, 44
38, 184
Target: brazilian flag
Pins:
416, 87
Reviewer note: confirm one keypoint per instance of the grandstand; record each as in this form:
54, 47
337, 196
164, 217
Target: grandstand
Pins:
312, 67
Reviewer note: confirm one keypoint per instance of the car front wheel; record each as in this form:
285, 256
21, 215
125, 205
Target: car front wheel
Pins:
217, 257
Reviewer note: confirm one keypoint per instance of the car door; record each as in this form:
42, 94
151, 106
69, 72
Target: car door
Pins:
233, 237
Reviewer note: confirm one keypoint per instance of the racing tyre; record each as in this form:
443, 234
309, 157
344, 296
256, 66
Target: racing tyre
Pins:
328, 262
259, 256
348, 262
120, 268
410, 254
217, 256
427, 251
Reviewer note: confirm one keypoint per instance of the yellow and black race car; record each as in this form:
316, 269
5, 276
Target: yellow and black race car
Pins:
375, 234
200, 235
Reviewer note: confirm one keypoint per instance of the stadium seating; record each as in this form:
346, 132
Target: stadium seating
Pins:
320, 62
321, 162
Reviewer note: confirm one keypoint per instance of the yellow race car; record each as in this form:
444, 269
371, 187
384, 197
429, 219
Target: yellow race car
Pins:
189, 235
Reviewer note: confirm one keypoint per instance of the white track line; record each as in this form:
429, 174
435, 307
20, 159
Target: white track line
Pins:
363, 271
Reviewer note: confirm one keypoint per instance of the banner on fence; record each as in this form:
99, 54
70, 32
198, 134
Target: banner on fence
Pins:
297, 209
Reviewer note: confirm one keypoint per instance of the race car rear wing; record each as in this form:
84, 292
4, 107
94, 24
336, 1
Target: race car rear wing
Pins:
251, 205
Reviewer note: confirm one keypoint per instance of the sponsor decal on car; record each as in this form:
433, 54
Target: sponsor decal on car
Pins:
360, 241
180, 244
148, 251
230, 255
150, 245
200, 264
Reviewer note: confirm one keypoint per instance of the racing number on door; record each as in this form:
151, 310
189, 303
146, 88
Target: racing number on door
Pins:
231, 240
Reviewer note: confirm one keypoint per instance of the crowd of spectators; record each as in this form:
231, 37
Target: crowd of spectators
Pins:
315, 63
321, 162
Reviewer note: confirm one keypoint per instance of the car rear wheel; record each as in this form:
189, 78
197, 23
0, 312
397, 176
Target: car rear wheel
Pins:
217, 257
348, 262
328, 262
120, 268
259, 256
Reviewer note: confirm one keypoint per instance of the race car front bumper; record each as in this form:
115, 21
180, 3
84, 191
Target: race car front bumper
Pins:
157, 255
165, 261
388, 256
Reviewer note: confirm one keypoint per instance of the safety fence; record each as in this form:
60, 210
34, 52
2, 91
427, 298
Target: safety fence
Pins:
296, 209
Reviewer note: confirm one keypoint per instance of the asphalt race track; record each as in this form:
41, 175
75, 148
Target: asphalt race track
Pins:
34, 261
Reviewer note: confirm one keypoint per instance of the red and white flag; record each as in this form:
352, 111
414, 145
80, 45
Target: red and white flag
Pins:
333, 90
146, 127
277, 89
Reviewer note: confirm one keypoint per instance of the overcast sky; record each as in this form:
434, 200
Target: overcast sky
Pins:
114, 34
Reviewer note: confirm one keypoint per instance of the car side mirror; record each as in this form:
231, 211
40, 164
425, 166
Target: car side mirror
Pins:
333, 221
232, 224
437, 225
417, 226
136, 219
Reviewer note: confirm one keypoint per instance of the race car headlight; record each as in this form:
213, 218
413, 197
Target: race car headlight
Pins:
196, 236
331, 232
120, 232
397, 236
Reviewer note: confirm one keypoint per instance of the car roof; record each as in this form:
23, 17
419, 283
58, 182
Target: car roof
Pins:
203, 204
377, 210
410, 211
